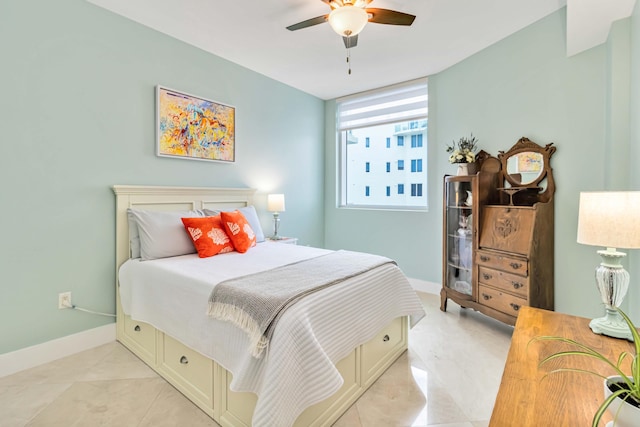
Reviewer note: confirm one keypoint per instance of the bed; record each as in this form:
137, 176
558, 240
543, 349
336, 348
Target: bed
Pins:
326, 350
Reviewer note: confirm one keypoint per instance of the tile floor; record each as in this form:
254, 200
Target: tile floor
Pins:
448, 378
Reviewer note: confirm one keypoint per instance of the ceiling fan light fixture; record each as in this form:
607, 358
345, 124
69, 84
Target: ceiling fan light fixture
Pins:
348, 21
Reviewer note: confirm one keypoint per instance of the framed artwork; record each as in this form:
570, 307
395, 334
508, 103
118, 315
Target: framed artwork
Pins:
191, 127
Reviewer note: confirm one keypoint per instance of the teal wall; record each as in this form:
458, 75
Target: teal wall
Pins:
77, 113
524, 85
634, 152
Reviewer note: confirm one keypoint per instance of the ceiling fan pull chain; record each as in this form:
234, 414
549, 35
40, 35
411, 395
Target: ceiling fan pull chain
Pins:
349, 60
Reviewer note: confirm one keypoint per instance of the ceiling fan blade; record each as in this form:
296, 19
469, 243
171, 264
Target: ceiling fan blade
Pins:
392, 17
308, 23
351, 41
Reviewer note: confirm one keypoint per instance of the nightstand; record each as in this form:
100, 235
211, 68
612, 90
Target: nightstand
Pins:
287, 240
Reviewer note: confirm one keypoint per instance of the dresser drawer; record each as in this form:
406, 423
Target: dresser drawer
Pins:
499, 300
189, 371
510, 264
376, 352
143, 336
511, 283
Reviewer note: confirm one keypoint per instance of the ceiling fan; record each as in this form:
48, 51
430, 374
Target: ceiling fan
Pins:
348, 18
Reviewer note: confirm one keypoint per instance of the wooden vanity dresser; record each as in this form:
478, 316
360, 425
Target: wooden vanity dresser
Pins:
498, 234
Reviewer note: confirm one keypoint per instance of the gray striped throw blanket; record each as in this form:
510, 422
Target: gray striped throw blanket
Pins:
255, 302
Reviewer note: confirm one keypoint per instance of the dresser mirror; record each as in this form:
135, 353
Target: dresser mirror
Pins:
524, 168
526, 173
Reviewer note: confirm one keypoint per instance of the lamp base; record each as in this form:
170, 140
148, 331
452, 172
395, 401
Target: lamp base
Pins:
276, 223
611, 325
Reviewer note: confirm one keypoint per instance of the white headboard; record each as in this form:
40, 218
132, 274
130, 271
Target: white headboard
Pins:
170, 198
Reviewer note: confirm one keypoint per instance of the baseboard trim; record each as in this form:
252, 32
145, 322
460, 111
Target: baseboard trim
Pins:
39, 354
424, 286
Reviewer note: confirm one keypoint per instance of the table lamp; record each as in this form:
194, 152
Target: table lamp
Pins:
275, 204
610, 219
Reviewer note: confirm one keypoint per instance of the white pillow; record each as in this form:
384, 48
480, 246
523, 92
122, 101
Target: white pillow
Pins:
250, 214
161, 233
134, 236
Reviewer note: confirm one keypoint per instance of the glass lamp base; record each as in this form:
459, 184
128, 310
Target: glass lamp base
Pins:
276, 224
611, 325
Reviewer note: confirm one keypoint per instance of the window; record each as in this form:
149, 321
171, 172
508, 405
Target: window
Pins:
395, 114
416, 190
416, 141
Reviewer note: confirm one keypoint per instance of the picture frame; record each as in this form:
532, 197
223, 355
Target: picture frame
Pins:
193, 127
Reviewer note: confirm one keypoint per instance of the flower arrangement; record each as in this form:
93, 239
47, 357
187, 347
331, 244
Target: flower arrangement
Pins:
463, 151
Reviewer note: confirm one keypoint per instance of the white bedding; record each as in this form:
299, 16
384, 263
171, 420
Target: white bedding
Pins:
172, 295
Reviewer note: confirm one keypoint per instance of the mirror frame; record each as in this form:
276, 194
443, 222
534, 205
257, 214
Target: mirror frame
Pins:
526, 145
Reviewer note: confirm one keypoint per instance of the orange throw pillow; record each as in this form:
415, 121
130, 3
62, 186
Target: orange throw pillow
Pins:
238, 230
208, 235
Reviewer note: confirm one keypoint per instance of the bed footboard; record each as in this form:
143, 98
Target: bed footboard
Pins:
206, 383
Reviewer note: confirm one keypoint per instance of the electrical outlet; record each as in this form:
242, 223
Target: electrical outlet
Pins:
64, 300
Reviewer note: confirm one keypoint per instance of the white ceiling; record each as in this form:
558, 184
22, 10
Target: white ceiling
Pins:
589, 21
253, 34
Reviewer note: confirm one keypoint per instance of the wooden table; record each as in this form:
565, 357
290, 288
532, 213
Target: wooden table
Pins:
560, 399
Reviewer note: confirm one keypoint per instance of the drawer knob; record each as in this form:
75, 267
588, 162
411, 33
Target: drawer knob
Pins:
385, 338
515, 265
486, 297
486, 276
184, 360
484, 258
137, 328
515, 307
517, 285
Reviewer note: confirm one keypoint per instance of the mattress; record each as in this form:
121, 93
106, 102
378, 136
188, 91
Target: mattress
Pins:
298, 370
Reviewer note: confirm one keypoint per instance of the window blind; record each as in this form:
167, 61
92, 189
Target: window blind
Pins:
403, 102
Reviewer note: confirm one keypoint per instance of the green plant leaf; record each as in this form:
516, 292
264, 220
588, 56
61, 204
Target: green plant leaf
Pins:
635, 366
603, 407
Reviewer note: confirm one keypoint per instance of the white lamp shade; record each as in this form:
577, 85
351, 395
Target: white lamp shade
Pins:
275, 202
610, 219
348, 20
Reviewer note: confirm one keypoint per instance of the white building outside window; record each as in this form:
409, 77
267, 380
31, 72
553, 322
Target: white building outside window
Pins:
383, 148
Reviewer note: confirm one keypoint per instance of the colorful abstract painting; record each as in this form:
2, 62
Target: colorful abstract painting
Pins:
194, 128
